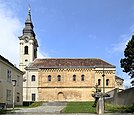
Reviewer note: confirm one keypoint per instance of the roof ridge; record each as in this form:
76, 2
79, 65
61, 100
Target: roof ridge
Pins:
59, 62
68, 58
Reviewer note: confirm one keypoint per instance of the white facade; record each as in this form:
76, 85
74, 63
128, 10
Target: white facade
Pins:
30, 86
9, 72
28, 53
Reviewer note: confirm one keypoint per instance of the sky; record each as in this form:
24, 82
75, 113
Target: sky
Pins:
70, 29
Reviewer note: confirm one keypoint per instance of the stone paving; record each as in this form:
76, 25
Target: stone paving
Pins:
52, 109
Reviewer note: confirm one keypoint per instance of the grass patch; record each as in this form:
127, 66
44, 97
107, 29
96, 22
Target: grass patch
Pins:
119, 108
35, 104
79, 107
130, 109
86, 107
115, 108
2, 112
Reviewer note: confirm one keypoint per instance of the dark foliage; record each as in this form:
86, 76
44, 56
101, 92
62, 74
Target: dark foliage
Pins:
127, 63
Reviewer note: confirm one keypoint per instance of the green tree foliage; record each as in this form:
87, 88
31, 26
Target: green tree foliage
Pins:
127, 63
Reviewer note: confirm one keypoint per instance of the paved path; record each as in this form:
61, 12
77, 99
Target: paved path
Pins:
50, 107
69, 114
53, 108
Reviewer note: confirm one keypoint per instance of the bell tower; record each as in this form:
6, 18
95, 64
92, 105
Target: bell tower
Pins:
28, 44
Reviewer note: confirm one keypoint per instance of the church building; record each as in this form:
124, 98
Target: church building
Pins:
60, 79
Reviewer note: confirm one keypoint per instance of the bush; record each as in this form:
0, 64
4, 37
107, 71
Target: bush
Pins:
130, 109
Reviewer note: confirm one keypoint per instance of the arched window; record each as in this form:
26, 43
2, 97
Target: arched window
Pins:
74, 77
82, 77
99, 81
59, 78
107, 82
26, 50
49, 78
33, 78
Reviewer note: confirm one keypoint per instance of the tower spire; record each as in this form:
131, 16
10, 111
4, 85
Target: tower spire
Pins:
28, 42
28, 29
29, 12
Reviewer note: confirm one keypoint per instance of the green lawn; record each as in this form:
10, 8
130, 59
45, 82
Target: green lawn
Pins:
35, 104
86, 107
79, 107
120, 109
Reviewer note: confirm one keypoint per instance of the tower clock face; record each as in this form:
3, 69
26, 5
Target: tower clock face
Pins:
26, 39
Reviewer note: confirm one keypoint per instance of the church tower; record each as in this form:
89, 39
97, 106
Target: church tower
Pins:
28, 44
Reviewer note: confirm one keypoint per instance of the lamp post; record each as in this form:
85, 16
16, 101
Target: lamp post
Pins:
14, 84
103, 75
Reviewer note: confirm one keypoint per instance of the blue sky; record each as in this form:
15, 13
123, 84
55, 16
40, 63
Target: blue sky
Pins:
70, 28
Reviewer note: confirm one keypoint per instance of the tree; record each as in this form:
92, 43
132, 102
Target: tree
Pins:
127, 63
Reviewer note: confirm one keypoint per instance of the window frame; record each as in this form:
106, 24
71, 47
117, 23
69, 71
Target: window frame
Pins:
59, 78
33, 97
8, 95
99, 82
33, 78
26, 50
82, 77
49, 78
9, 76
74, 77
107, 82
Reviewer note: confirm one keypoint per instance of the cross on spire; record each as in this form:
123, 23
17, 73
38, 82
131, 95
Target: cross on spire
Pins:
29, 12
29, 8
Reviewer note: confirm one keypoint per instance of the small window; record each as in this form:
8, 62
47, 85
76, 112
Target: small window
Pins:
59, 78
26, 50
26, 60
74, 77
99, 81
49, 78
82, 77
33, 78
18, 97
35, 53
8, 95
8, 76
107, 82
18, 80
33, 96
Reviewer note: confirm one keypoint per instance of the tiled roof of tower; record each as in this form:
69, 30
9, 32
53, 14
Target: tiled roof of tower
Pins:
69, 62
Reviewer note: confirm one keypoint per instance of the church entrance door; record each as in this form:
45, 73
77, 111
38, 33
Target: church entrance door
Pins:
61, 96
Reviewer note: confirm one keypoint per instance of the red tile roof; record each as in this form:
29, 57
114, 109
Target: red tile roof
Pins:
69, 62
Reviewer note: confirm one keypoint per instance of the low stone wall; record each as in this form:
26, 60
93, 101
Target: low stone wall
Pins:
125, 97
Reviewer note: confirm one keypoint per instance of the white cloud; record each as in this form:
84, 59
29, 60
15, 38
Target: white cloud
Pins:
10, 28
40, 54
120, 46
